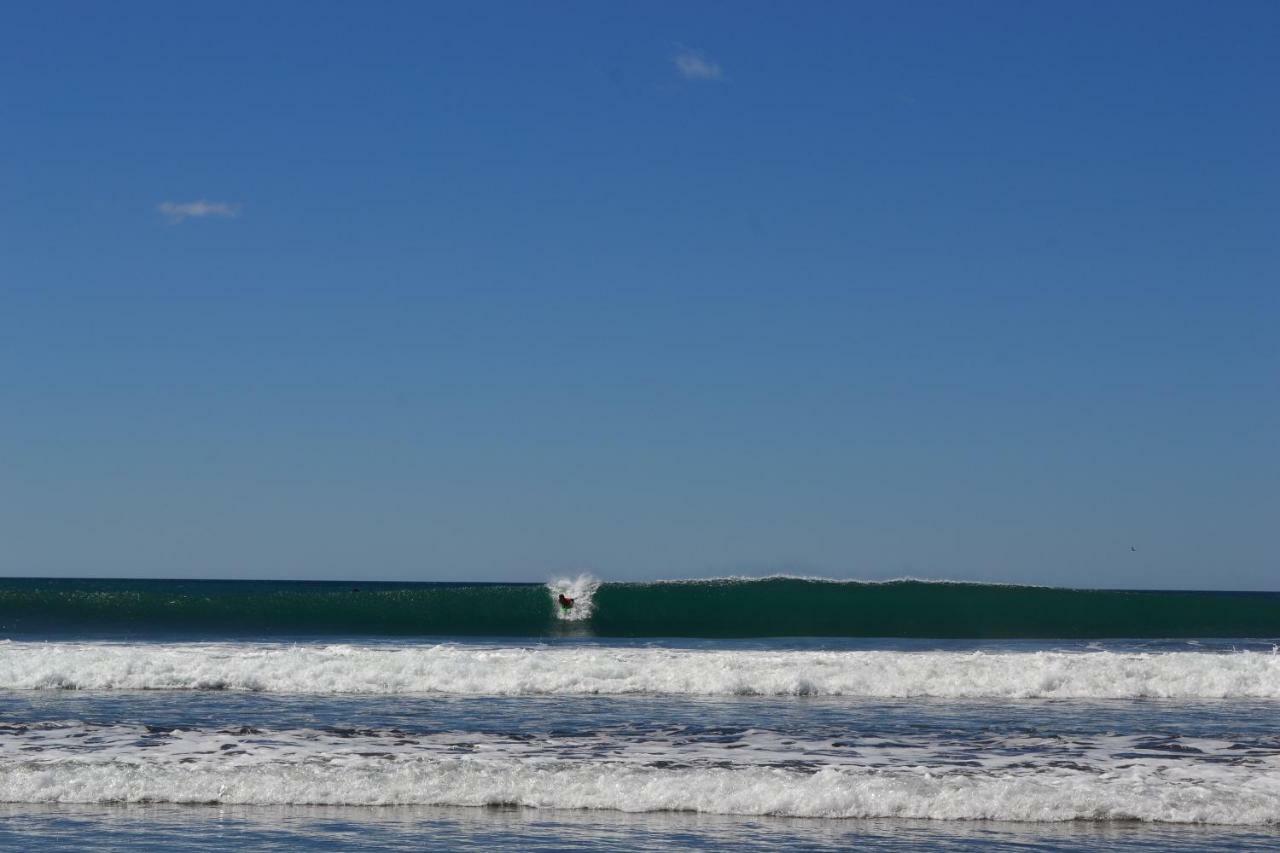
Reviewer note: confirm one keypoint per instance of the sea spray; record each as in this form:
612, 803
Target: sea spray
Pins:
581, 590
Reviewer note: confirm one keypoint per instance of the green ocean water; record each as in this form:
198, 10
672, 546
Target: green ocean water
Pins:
729, 608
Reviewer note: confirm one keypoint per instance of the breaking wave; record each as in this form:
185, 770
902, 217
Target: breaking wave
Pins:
725, 607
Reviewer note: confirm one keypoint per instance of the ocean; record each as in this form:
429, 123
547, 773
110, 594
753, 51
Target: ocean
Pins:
733, 713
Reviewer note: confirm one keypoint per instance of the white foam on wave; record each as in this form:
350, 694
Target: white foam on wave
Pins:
602, 670
1220, 795
582, 589
664, 746
1032, 778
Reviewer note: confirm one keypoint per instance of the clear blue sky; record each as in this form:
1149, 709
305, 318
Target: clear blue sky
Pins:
428, 291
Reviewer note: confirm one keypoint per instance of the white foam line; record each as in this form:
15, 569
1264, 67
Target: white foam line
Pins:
594, 670
1227, 796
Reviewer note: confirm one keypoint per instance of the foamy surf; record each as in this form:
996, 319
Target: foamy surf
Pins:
1203, 794
599, 670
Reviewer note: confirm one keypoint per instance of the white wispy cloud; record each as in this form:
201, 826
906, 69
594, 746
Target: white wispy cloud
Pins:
693, 65
177, 211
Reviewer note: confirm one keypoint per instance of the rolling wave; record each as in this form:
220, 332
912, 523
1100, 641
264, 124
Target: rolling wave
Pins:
729, 607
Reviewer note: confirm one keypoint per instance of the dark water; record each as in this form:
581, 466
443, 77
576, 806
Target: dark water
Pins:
771, 607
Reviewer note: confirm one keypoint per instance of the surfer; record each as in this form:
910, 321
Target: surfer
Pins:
565, 601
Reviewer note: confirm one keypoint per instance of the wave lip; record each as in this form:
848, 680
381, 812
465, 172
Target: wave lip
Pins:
592, 670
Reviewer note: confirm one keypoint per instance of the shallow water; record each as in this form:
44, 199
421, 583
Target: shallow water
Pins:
334, 828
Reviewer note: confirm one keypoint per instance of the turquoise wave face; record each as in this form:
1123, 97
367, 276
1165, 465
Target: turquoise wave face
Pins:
780, 607
741, 608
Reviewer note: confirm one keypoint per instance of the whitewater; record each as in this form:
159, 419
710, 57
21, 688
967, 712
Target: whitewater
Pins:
741, 756
1215, 795
603, 670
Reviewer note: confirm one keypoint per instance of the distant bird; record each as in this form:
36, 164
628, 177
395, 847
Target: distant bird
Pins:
1131, 548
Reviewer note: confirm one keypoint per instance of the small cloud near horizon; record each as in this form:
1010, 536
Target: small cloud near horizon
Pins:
178, 211
693, 65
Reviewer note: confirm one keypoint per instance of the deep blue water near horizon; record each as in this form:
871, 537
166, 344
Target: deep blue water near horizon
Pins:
158, 738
